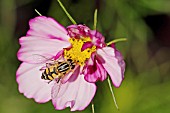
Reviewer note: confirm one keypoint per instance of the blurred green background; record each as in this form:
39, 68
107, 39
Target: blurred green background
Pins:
146, 25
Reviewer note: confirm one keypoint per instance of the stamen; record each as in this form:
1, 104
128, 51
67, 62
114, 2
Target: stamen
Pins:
75, 52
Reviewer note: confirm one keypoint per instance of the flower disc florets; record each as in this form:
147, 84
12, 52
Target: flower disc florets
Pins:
84, 42
76, 53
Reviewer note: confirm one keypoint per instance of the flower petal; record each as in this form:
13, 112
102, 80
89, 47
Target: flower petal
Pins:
91, 74
47, 27
97, 38
78, 31
101, 71
74, 72
111, 64
30, 83
76, 94
58, 55
120, 59
32, 48
86, 45
95, 72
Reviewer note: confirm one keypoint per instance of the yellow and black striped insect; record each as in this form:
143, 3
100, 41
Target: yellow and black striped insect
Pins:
57, 70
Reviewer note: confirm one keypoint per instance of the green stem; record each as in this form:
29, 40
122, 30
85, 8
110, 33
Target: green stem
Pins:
113, 96
38, 12
92, 107
117, 40
95, 20
68, 15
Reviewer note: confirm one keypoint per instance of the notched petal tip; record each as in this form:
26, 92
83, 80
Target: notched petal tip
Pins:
47, 27
32, 86
87, 97
77, 95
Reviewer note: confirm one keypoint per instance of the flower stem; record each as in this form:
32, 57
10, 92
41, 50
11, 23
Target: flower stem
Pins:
95, 19
113, 96
117, 40
68, 15
38, 12
92, 107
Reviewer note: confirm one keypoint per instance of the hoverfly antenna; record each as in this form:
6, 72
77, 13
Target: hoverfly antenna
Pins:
58, 80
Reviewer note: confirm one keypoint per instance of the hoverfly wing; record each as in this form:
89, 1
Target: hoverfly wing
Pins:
58, 90
38, 59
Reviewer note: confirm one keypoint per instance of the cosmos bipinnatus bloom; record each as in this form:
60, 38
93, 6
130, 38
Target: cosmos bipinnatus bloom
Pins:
63, 64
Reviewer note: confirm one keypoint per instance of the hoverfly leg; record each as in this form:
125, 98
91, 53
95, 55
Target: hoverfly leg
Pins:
49, 81
58, 80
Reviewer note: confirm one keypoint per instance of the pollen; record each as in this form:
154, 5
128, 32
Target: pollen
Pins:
75, 52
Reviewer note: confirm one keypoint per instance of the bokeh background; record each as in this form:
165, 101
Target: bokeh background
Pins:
146, 25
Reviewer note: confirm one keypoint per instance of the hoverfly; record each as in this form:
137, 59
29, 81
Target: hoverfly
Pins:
56, 69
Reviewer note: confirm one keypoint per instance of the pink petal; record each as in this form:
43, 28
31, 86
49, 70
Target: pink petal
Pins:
101, 71
120, 59
76, 94
111, 64
97, 38
91, 74
58, 55
78, 30
47, 27
33, 48
86, 45
95, 72
30, 83
74, 72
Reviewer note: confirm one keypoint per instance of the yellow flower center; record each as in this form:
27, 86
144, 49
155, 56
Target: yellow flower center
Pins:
75, 52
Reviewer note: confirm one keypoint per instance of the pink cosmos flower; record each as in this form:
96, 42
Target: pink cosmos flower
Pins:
48, 41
